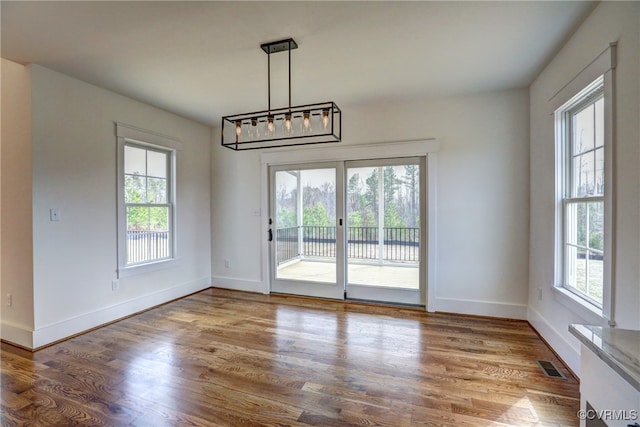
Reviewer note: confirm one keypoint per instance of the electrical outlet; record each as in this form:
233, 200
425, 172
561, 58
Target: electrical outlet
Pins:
115, 285
227, 263
9, 300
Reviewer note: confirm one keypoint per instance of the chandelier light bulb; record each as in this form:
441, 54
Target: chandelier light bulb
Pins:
238, 128
270, 125
325, 118
254, 133
287, 123
306, 120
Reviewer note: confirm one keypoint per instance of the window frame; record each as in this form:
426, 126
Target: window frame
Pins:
168, 197
575, 95
138, 138
587, 97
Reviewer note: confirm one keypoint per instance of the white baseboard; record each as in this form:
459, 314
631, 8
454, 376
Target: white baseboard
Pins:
567, 352
482, 308
16, 334
239, 284
69, 327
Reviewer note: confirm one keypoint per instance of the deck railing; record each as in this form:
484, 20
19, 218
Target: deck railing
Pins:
287, 244
399, 245
319, 241
147, 246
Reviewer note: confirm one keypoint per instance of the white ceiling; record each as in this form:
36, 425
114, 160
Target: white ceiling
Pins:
203, 60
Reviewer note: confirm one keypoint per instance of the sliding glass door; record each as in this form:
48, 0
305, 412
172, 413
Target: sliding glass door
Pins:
384, 236
349, 230
306, 230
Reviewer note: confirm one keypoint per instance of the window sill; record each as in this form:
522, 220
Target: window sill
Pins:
147, 268
587, 311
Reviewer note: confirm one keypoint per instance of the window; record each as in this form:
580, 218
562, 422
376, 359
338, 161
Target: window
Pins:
146, 200
584, 114
584, 276
147, 197
582, 163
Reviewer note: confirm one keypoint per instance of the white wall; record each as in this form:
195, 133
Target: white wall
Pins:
16, 243
236, 232
482, 203
609, 22
74, 170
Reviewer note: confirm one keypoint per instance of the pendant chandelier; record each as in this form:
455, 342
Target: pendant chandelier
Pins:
282, 127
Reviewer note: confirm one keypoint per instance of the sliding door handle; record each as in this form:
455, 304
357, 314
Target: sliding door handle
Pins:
270, 235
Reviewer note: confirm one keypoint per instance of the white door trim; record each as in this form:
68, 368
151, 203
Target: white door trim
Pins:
351, 152
421, 148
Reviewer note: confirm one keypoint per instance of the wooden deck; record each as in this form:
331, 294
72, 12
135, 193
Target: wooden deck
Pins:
358, 274
226, 358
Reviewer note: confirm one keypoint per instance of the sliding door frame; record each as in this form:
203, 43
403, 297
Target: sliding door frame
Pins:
380, 292
426, 148
334, 290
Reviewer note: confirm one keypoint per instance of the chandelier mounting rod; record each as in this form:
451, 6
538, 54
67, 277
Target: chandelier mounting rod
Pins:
290, 74
269, 79
275, 47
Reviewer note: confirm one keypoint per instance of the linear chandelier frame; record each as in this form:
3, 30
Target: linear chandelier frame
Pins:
318, 123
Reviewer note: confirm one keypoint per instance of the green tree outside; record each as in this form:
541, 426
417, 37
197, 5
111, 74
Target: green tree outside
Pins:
140, 189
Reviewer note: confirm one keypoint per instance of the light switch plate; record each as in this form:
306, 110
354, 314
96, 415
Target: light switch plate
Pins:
54, 214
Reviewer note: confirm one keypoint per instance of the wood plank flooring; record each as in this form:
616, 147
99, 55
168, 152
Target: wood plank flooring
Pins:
228, 358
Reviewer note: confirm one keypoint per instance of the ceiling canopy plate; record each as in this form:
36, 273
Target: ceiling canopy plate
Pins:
279, 46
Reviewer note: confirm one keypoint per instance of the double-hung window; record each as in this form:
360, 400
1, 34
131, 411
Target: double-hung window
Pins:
581, 131
148, 207
584, 114
146, 199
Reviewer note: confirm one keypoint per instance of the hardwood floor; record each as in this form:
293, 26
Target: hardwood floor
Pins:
231, 358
